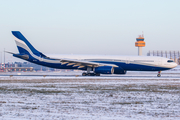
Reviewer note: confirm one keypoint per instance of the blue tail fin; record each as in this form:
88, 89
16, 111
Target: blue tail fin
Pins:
23, 45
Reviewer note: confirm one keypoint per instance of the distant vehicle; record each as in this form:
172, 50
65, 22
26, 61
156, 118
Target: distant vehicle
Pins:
93, 65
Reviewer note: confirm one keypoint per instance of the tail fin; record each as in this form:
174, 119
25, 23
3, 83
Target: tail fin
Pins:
24, 46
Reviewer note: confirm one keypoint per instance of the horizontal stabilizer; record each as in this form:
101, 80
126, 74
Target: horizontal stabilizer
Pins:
9, 52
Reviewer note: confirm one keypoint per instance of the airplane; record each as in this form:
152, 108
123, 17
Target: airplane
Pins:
92, 65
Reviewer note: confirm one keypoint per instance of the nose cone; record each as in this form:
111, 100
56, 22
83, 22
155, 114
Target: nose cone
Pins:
174, 65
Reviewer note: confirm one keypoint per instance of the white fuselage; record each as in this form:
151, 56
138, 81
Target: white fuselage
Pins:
142, 60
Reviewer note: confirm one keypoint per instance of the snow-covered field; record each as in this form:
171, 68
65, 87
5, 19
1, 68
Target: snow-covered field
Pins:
137, 96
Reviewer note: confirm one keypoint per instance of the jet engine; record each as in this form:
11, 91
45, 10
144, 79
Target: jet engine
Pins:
119, 70
104, 70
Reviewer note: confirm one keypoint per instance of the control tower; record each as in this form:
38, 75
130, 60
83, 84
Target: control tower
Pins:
140, 43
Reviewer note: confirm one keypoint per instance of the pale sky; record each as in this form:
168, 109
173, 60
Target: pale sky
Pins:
91, 26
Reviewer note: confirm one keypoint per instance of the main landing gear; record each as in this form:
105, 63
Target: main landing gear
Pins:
159, 74
90, 74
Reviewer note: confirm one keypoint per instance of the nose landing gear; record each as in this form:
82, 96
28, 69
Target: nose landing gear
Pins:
159, 74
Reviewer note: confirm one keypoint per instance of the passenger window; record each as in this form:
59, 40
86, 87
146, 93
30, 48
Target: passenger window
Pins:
170, 61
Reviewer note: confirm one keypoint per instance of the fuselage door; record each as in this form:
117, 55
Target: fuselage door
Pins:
127, 60
160, 61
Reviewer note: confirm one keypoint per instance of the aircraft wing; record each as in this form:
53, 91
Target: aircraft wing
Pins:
82, 64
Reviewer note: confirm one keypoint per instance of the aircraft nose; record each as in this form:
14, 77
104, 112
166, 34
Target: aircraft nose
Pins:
174, 65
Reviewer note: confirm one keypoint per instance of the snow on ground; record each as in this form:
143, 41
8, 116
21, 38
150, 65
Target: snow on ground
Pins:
143, 97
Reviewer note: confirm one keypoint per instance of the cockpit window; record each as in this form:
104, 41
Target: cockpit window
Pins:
170, 61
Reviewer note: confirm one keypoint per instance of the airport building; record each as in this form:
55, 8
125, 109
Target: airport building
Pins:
23, 66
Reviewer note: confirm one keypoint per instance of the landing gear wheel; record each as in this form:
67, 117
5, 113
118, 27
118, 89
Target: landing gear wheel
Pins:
97, 74
84, 74
91, 74
158, 75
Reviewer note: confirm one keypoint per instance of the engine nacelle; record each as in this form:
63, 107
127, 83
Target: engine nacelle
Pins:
119, 71
104, 70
